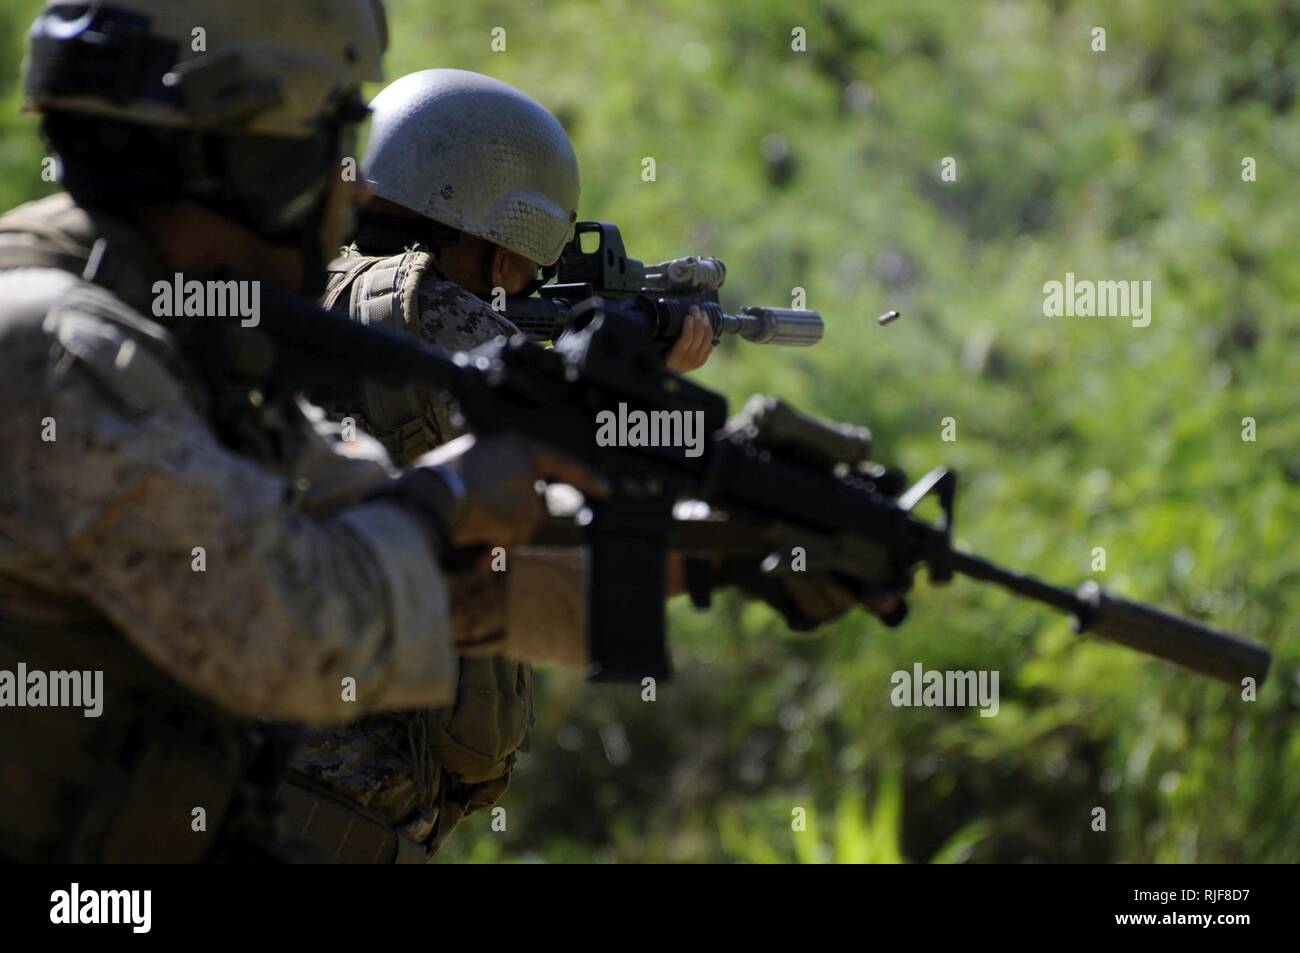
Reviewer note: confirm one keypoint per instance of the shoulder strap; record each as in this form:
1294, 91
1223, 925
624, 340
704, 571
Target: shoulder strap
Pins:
384, 291
96, 246
43, 259
55, 255
386, 294
49, 233
343, 271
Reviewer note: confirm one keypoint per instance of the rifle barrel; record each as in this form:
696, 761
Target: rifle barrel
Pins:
1201, 648
781, 326
545, 319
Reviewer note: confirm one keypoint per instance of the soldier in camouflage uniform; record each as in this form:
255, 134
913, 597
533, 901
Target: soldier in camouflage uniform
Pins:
473, 191
473, 188
218, 587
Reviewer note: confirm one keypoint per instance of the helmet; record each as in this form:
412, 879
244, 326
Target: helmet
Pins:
477, 155
253, 67
244, 106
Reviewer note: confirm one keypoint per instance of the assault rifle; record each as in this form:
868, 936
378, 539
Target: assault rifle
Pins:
771, 475
659, 296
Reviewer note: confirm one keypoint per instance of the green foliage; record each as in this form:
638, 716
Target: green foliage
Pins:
820, 170
21, 151
1072, 433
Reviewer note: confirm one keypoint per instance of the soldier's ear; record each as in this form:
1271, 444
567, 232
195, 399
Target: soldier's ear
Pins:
499, 266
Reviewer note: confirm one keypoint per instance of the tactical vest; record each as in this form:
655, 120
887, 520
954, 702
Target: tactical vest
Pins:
471, 746
385, 291
161, 775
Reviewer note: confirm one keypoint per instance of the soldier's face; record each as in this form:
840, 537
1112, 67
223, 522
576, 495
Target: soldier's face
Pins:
512, 271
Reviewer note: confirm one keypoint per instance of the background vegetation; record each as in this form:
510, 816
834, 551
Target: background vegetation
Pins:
821, 170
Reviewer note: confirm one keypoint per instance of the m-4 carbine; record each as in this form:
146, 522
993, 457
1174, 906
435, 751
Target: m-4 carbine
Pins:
767, 480
658, 296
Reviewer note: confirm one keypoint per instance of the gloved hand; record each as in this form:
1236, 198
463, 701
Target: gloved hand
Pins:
832, 575
484, 491
808, 601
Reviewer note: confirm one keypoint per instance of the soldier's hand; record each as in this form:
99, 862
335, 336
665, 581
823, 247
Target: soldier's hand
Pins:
807, 602
808, 599
692, 349
498, 501
486, 491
